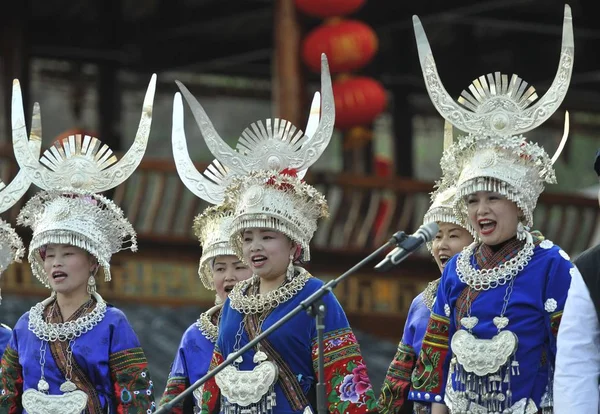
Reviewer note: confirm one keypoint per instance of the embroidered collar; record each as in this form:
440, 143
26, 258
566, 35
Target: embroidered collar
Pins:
487, 258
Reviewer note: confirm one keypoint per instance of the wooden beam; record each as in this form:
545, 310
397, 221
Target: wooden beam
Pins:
15, 52
287, 76
109, 93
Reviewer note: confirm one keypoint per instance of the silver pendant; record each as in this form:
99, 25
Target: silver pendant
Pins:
244, 388
483, 356
36, 402
43, 386
469, 322
501, 322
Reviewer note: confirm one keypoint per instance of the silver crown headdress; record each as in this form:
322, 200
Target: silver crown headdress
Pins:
212, 227
263, 151
72, 173
441, 209
11, 245
495, 112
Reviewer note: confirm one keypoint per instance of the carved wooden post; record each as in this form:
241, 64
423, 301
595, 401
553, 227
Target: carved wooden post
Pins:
288, 85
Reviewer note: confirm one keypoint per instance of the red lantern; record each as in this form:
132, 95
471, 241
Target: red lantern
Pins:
328, 8
348, 44
358, 101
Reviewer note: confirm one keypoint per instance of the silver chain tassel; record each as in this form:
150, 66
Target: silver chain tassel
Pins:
266, 405
486, 391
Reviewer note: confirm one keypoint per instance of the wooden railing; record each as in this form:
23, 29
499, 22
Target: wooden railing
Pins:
364, 212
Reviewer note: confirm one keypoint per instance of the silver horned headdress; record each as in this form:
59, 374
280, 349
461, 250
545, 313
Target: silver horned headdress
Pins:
11, 245
212, 227
72, 173
262, 153
495, 111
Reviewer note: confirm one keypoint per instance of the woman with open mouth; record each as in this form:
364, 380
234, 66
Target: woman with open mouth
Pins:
275, 217
220, 269
397, 392
490, 343
73, 352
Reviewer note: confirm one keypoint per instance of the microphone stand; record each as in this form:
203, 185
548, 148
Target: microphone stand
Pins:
314, 307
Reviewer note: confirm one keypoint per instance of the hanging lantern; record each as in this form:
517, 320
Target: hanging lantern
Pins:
348, 44
357, 137
328, 8
358, 101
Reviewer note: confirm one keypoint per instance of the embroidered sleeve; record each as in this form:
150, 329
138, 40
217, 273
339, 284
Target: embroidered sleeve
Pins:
11, 378
131, 382
394, 391
347, 383
210, 391
174, 387
429, 376
177, 382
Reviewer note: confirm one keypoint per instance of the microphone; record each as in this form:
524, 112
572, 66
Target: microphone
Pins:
405, 248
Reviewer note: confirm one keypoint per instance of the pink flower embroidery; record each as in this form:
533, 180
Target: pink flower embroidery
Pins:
361, 379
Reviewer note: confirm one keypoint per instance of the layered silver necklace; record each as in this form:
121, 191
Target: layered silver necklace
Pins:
248, 304
485, 279
73, 400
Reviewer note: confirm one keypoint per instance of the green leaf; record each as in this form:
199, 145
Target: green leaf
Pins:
337, 380
371, 401
342, 407
351, 365
333, 397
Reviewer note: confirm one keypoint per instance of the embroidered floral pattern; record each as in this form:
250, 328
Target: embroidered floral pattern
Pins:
211, 394
428, 374
347, 383
132, 383
396, 385
447, 310
11, 379
550, 305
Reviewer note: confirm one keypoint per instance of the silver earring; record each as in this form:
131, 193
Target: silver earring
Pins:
521, 231
91, 284
289, 274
